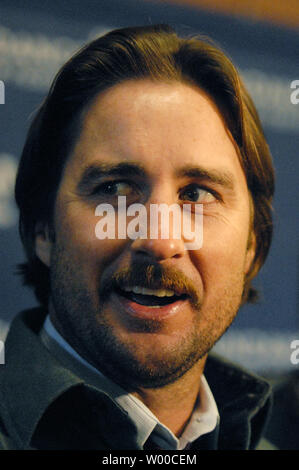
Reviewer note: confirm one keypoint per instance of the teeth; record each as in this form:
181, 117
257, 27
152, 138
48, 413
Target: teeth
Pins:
145, 291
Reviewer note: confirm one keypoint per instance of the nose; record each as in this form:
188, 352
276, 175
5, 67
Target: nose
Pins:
158, 249
157, 245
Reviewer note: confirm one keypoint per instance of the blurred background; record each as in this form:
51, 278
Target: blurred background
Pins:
262, 39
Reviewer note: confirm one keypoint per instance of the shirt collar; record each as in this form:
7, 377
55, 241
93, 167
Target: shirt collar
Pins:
203, 420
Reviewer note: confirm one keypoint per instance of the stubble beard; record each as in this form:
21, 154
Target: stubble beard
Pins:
80, 320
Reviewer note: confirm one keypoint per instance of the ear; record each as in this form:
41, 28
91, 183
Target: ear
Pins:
250, 254
43, 244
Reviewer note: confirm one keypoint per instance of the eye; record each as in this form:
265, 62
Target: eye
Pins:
115, 188
196, 193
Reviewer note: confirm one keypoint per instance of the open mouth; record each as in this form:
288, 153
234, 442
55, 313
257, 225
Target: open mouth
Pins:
150, 297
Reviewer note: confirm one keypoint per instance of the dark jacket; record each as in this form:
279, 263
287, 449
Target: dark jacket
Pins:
46, 404
283, 426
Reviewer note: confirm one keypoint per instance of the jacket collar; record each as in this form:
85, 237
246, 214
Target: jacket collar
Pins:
244, 401
36, 380
27, 381
33, 380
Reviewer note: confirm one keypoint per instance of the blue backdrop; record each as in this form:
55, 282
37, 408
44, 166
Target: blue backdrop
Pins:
35, 41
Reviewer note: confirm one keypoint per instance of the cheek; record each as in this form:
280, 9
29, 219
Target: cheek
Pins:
76, 233
223, 254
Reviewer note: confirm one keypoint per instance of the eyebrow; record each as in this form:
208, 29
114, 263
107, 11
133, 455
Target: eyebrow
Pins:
93, 173
224, 178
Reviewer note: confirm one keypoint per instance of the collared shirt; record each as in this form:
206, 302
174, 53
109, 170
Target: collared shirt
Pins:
204, 419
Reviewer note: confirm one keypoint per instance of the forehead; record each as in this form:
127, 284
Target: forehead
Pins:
160, 125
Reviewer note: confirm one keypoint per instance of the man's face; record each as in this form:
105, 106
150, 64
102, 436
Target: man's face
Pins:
153, 143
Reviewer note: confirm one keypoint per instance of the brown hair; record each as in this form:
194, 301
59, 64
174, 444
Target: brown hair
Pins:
154, 52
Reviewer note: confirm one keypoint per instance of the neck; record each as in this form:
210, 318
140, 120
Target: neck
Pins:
173, 404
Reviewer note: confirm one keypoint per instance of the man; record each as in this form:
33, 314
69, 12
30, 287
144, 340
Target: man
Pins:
116, 357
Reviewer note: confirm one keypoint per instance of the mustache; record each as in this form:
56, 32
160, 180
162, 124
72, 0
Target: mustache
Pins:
152, 276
